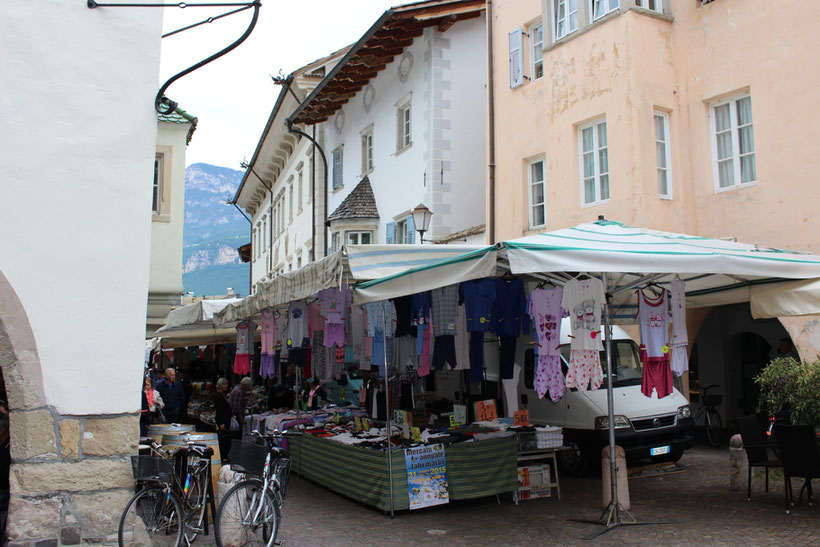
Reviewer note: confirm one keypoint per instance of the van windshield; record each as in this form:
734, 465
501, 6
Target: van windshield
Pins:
626, 364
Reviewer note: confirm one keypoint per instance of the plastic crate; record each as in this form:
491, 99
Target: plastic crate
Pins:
539, 440
151, 468
248, 458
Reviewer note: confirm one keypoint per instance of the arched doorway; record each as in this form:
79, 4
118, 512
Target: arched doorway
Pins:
730, 349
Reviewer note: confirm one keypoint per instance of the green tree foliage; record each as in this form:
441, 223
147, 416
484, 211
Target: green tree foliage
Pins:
788, 383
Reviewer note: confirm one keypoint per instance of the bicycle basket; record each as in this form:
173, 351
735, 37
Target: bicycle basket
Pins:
151, 468
248, 458
712, 400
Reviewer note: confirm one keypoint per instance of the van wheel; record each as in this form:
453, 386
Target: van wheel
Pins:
574, 461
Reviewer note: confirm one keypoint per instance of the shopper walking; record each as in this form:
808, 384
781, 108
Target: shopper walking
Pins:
173, 395
239, 399
151, 406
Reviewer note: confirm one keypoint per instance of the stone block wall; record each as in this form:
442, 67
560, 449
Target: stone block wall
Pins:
70, 476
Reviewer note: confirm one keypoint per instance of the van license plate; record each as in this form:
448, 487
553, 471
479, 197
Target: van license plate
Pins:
659, 450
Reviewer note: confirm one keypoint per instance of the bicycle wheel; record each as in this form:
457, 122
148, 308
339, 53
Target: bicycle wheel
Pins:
196, 506
152, 517
714, 428
247, 516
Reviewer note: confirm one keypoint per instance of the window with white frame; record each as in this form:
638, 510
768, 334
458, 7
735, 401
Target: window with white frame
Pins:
654, 5
367, 150
264, 242
565, 16
290, 202
255, 243
537, 192
537, 50
594, 162
359, 237
733, 143
662, 154
159, 159
602, 7
300, 184
403, 125
337, 167
335, 241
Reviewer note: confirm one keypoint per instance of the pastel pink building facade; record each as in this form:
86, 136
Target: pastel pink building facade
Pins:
684, 116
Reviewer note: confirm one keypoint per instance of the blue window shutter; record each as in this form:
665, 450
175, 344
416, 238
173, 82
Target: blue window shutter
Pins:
391, 233
411, 230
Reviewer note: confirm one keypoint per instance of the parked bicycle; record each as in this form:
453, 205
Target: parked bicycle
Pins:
174, 491
713, 422
249, 513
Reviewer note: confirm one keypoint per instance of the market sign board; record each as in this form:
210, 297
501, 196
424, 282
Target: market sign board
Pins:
426, 476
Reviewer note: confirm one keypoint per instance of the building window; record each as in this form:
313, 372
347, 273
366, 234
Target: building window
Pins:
537, 50
733, 143
367, 150
264, 242
594, 163
401, 231
290, 202
359, 237
298, 261
337, 167
516, 64
403, 125
335, 242
602, 7
159, 159
662, 154
654, 5
537, 187
255, 243
565, 15
300, 184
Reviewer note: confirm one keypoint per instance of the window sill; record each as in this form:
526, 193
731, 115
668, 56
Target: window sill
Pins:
594, 203
337, 189
734, 187
402, 150
161, 217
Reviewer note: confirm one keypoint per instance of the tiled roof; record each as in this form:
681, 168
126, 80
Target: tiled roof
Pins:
360, 203
179, 116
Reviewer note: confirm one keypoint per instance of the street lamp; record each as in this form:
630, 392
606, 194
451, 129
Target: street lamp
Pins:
421, 218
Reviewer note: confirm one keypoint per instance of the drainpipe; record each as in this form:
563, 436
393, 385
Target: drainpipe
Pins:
313, 204
292, 129
490, 126
289, 123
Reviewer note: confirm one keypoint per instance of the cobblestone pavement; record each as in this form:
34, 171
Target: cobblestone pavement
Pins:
697, 501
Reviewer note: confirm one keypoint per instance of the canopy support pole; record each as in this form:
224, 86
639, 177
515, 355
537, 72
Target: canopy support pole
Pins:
387, 409
613, 515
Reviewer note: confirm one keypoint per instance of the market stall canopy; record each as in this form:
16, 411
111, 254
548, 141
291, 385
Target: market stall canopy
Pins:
787, 299
351, 264
715, 271
192, 325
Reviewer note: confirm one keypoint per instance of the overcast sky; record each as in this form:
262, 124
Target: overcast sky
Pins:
233, 96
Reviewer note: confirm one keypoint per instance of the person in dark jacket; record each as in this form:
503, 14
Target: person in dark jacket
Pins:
280, 399
223, 418
173, 395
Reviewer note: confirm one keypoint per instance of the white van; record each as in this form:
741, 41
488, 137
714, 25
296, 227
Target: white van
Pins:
645, 427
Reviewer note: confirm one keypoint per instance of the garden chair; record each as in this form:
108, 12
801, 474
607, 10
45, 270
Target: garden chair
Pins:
801, 458
759, 452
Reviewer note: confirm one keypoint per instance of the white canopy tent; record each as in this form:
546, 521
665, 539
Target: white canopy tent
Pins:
193, 325
715, 272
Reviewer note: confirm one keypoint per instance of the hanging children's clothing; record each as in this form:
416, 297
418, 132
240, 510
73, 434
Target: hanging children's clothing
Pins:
334, 308
653, 321
509, 315
546, 313
478, 297
297, 323
267, 367
244, 345
380, 316
584, 301
282, 334
679, 361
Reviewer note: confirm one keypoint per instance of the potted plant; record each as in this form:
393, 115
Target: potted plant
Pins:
793, 386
